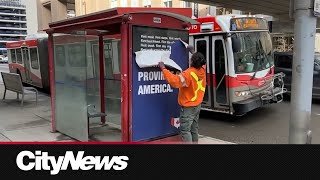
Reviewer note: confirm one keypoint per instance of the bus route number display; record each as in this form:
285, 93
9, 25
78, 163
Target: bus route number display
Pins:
248, 23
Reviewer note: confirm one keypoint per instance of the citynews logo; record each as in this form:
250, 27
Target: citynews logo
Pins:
42, 161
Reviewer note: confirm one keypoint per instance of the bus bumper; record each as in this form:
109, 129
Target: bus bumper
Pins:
242, 107
271, 96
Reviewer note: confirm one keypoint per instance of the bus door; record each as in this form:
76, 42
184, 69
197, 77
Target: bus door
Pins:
202, 46
36, 77
220, 71
26, 61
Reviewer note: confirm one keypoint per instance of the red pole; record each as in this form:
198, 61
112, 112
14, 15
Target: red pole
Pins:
101, 65
124, 83
52, 80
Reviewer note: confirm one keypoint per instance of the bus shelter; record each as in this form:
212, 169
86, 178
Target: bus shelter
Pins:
98, 92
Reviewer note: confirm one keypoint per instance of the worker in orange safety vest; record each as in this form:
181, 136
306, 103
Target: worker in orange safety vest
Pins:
191, 84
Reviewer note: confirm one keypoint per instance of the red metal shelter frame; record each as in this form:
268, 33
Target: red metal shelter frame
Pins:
117, 21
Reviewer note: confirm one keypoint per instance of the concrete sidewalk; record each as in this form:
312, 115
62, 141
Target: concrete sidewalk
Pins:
33, 123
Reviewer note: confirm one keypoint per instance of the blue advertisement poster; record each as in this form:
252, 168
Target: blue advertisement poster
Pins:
154, 101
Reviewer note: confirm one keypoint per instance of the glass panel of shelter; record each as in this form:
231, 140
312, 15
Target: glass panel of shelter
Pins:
93, 78
112, 81
77, 87
70, 85
112, 89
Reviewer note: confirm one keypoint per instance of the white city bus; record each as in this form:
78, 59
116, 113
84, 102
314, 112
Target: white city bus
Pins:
240, 63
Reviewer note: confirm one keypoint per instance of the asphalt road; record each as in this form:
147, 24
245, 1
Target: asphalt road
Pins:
267, 125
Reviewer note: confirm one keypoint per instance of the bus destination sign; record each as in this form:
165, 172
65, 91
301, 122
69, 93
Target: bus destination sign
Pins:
248, 23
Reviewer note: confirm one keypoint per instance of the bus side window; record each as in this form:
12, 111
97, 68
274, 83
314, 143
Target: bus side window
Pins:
34, 58
12, 55
76, 55
19, 56
116, 57
108, 59
60, 56
112, 59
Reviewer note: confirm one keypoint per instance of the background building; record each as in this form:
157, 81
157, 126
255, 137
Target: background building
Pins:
13, 23
21, 17
42, 12
83, 7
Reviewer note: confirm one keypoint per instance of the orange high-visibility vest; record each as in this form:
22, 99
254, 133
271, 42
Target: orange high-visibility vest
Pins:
200, 87
191, 84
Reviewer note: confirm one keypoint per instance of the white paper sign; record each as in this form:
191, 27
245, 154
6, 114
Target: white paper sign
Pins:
185, 44
152, 58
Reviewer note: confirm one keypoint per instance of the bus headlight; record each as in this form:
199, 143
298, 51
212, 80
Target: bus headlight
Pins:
242, 93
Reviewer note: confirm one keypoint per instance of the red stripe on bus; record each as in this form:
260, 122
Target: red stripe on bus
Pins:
25, 43
240, 80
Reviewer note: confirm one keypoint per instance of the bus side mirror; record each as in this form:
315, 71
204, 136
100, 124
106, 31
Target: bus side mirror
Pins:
236, 45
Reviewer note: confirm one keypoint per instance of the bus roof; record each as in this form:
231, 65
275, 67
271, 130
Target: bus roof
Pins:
229, 23
22, 43
31, 40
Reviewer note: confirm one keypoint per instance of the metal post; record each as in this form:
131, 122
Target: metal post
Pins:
302, 72
101, 65
125, 83
52, 80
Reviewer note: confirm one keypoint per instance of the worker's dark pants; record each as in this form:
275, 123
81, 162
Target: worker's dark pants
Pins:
189, 117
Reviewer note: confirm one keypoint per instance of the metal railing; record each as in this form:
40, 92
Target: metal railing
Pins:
11, 3
9, 39
12, 26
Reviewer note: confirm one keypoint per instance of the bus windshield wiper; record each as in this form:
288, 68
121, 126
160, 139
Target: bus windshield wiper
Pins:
254, 75
257, 67
261, 53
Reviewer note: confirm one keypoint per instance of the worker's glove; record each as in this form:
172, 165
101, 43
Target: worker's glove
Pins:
190, 49
161, 65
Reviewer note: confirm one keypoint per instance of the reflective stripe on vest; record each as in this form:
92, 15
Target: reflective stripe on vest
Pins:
200, 87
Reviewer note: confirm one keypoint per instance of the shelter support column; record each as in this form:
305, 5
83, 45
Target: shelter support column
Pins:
52, 80
302, 72
101, 65
125, 82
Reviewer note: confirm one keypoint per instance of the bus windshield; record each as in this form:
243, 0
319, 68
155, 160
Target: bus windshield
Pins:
254, 52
